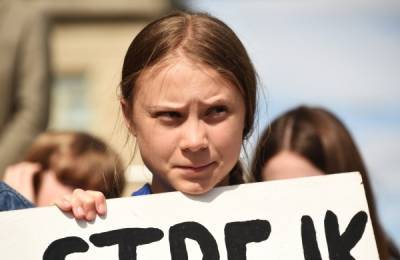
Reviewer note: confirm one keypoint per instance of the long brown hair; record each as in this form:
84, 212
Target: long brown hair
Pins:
321, 138
79, 160
200, 38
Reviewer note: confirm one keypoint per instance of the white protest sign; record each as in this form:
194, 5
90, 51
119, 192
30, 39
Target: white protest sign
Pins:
307, 218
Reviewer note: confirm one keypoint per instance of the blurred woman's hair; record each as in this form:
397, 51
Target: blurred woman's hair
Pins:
78, 160
322, 139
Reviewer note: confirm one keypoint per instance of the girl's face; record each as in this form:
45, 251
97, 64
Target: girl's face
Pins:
188, 122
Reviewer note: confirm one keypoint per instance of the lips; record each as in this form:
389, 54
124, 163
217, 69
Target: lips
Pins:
197, 167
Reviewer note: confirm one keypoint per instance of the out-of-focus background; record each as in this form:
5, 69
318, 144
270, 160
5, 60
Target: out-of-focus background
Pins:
343, 55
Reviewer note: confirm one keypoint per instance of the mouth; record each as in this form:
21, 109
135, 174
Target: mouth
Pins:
197, 167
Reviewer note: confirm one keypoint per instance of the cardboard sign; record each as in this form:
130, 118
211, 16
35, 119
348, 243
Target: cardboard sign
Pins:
309, 218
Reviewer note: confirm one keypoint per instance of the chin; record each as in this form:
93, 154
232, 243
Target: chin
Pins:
195, 189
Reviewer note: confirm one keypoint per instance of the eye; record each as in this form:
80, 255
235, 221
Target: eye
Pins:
168, 116
217, 112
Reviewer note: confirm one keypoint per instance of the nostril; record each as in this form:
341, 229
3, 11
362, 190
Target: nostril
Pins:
195, 145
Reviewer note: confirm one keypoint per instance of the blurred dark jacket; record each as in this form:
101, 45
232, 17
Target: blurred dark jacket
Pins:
24, 78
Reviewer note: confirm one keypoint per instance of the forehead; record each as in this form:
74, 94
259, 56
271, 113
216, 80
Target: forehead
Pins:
287, 164
179, 79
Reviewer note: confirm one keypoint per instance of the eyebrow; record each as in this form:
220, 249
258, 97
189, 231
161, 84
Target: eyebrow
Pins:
175, 106
164, 107
217, 100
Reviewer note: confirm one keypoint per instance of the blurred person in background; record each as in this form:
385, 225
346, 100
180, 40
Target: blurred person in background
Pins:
24, 79
59, 162
307, 141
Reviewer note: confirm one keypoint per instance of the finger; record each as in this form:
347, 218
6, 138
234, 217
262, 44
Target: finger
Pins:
88, 203
64, 203
21, 179
77, 198
100, 202
9, 176
28, 168
35, 167
13, 177
19, 171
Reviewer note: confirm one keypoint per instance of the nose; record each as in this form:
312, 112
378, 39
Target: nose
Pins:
194, 136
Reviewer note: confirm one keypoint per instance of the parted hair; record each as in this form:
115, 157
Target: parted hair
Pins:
202, 39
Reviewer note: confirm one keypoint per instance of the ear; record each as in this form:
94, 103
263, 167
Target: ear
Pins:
127, 112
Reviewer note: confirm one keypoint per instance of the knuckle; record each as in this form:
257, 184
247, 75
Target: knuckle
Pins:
76, 192
99, 196
87, 202
75, 201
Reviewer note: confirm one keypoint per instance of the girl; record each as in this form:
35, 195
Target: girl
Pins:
188, 95
308, 141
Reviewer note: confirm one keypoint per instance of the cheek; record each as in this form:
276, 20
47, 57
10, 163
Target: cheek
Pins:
156, 143
227, 139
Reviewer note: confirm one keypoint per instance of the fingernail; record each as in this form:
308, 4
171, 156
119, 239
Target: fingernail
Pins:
101, 209
91, 216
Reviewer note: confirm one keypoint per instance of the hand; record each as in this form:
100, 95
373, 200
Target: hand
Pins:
20, 178
84, 205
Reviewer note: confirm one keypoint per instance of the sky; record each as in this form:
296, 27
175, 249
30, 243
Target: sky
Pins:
343, 55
